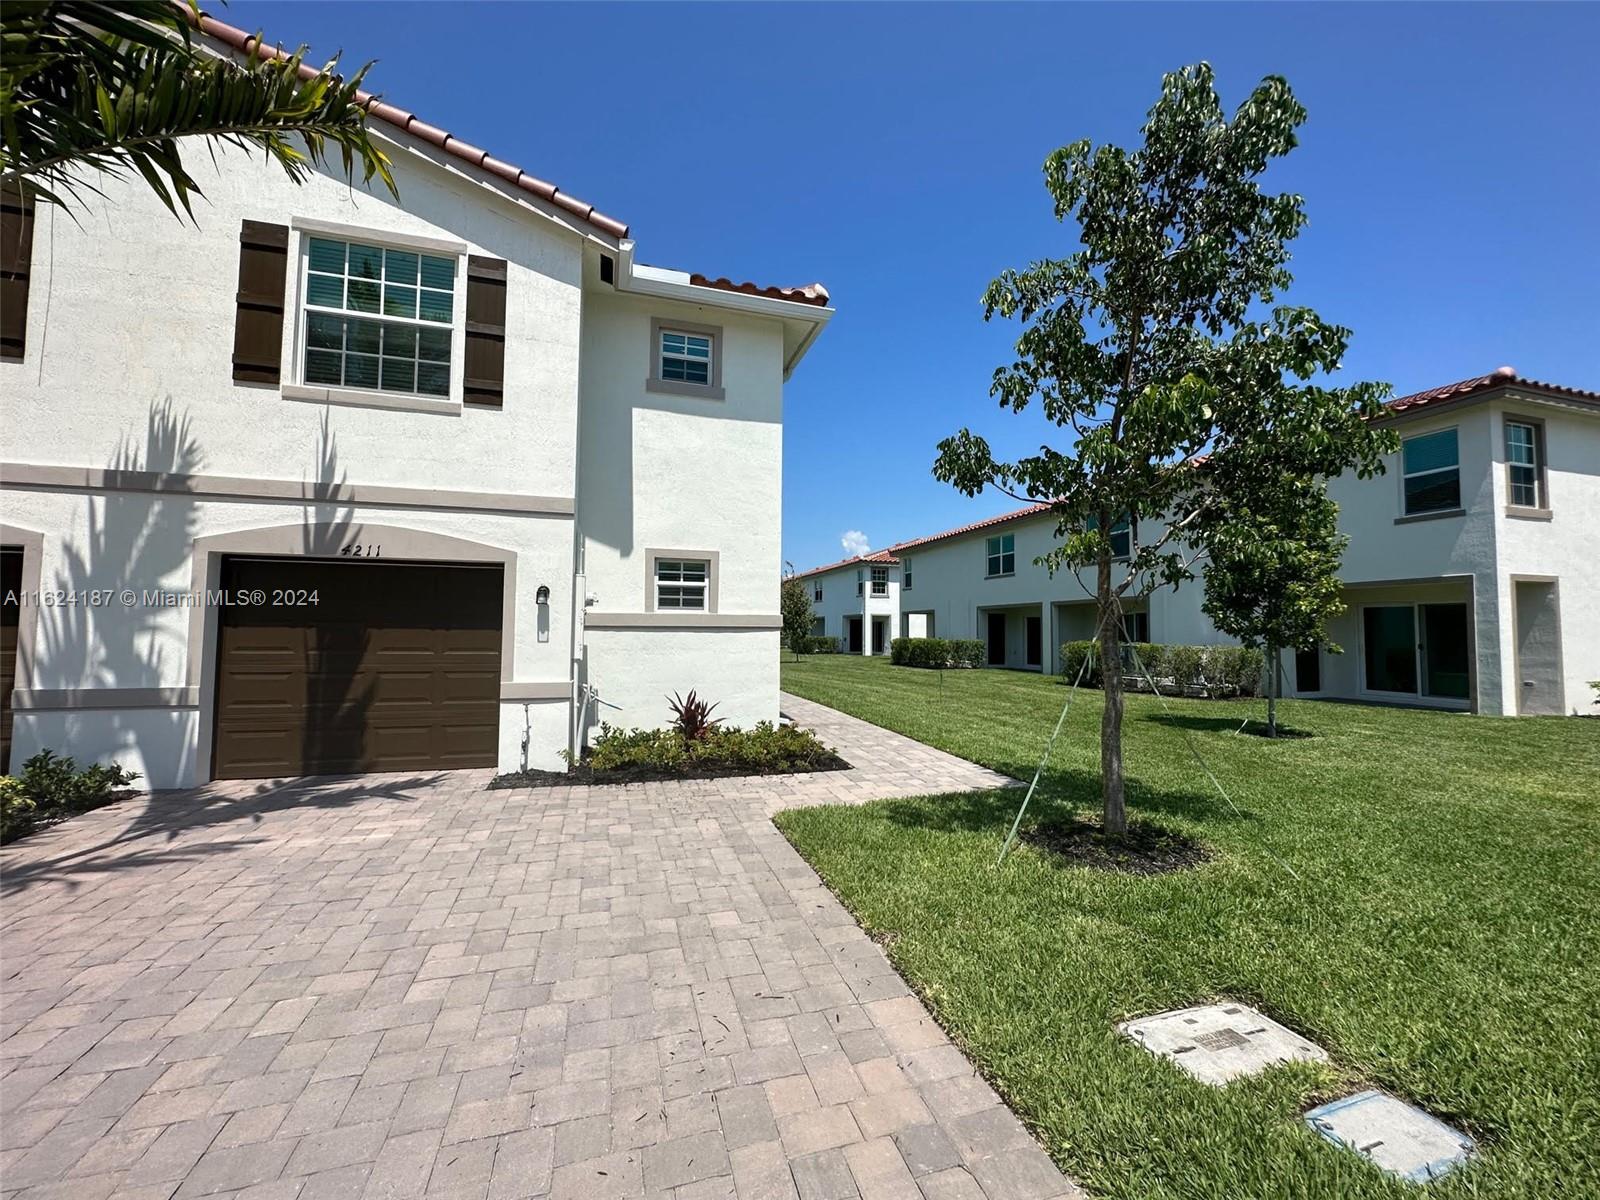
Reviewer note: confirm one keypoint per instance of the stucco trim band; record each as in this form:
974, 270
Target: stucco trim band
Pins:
78, 699
49, 477
559, 689
683, 620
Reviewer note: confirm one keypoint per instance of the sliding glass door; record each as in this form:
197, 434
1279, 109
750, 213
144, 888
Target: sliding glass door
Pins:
1416, 649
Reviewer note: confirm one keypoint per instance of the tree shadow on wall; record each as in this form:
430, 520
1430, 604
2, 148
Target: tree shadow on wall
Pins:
135, 541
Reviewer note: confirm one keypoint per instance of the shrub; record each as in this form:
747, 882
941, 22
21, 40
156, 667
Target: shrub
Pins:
1234, 670
1141, 658
52, 786
1184, 665
16, 809
1072, 656
54, 782
937, 652
692, 717
766, 749
820, 645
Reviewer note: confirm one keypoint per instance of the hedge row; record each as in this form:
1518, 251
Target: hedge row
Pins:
817, 645
1210, 671
937, 652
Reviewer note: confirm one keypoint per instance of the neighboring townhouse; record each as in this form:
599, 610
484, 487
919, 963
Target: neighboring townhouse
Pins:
1472, 577
445, 454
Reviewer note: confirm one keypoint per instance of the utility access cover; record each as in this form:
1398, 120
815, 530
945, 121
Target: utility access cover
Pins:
1403, 1140
1217, 1043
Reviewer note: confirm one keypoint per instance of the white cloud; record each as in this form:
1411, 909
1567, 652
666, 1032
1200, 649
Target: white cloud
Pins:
855, 542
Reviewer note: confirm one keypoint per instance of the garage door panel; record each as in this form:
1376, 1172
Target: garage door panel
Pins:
397, 667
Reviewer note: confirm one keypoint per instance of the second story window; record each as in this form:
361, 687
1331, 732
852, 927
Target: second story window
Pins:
880, 581
816, 592
1002, 556
1524, 465
860, 574
681, 583
378, 318
1431, 472
905, 575
685, 357
1121, 537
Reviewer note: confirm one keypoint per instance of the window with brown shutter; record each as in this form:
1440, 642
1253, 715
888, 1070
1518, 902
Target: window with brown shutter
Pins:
258, 320
485, 366
16, 262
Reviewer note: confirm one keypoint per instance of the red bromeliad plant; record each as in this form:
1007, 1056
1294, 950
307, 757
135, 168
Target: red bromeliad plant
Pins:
691, 716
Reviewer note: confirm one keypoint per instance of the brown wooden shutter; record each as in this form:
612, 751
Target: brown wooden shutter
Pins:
258, 321
16, 264
486, 331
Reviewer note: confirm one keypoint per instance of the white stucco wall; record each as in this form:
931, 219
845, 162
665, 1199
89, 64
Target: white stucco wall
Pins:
129, 364
706, 478
1565, 547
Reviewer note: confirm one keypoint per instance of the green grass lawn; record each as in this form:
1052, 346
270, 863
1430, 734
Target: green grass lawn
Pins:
1442, 940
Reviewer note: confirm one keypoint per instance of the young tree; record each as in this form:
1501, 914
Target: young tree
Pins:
91, 87
1151, 346
794, 603
1272, 573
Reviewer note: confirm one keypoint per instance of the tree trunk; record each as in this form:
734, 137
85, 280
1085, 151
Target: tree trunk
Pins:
1115, 813
1274, 684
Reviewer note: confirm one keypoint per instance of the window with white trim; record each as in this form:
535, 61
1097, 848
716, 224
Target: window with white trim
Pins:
1524, 468
377, 318
1121, 536
905, 574
860, 576
1002, 555
816, 592
1431, 472
681, 583
685, 357
880, 581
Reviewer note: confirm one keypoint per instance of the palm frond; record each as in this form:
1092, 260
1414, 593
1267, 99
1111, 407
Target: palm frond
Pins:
114, 89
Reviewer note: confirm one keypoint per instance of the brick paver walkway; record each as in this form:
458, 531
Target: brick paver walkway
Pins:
401, 986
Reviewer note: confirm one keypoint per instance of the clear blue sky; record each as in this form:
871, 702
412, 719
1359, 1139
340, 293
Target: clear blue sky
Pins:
1451, 169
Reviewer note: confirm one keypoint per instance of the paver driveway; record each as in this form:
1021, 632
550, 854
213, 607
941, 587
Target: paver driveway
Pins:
405, 986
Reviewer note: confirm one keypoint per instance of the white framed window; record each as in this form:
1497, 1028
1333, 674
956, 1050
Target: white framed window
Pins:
1524, 465
880, 581
685, 357
1002, 555
860, 577
905, 574
682, 583
816, 592
378, 317
1121, 536
1431, 472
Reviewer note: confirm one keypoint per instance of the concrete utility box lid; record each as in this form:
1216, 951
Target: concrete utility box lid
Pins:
1396, 1136
1217, 1043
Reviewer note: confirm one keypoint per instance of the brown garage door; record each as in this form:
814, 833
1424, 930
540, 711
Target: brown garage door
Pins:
396, 667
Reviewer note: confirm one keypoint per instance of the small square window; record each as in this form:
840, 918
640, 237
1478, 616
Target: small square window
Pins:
880, 581
682, 584
685, 357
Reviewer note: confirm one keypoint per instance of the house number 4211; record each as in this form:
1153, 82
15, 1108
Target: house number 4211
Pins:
361, 550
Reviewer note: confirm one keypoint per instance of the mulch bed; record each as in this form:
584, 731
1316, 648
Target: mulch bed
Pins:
582, 774
1145, 849
1286, 733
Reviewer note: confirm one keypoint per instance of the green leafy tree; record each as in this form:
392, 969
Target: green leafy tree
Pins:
1272, 572
794, 604
88, 87
1154, 344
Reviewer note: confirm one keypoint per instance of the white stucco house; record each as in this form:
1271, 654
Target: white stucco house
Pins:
443, 457
1472, 577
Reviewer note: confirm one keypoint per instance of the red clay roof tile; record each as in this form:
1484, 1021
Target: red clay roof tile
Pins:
1501, 377
411, 124
811, 293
